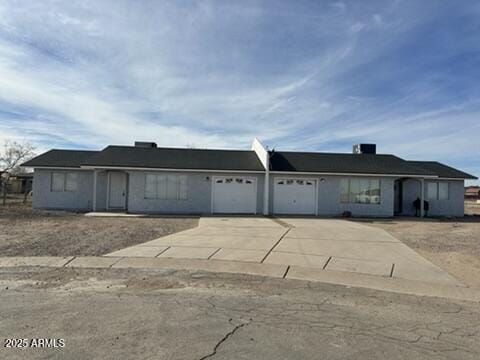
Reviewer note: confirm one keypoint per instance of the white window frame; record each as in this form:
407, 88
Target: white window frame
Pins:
64, 175
349, 194
178, 186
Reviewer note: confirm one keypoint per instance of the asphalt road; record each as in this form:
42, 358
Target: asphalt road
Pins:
134, 314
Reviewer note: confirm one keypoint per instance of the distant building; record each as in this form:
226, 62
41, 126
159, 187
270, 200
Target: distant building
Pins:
20, 184
472, 193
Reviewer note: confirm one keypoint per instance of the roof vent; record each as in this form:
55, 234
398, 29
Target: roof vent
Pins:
364, 149
144, 144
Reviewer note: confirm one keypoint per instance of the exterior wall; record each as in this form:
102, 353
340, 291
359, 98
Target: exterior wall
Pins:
102, 189
454, 206
199, 194
44, 198
328, 189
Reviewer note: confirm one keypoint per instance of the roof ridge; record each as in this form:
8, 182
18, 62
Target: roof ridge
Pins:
329, 153
173, 148
74, 150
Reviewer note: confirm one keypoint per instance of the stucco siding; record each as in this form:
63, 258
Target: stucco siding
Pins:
101, 190
199, 199
328, 189
44, 198
454, 206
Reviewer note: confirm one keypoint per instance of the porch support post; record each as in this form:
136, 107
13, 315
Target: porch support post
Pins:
95, 175
422, 197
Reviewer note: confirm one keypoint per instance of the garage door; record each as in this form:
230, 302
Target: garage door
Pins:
294, 196
234, 195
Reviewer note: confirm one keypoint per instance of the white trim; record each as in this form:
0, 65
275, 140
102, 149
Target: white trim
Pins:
266, 193
315, 179
107, 205
290, 173
95, 175
88, 168
255, 182
264, 157
60, 168
422, 198
452, 179
173, 170
211, 194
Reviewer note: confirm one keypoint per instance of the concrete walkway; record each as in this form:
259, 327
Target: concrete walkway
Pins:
350, 279
313, 245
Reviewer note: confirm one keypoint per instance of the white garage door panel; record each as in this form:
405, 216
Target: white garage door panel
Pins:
234, 195
294, 196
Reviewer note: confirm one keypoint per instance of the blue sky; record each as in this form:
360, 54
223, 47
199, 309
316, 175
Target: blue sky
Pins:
299, 75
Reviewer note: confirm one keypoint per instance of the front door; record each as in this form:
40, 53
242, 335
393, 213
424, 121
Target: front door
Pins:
398, 197
117, 190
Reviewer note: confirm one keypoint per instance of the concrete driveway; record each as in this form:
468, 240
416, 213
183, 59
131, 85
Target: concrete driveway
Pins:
326, 244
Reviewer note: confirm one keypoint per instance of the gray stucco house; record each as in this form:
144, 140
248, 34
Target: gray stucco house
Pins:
147, 179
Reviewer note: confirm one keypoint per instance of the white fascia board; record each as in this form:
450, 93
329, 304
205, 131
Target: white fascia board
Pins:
173, 170
261, 153
352, 174
59, 168
264, 157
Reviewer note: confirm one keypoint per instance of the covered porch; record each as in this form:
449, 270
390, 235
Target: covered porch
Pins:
110, 190
407, 192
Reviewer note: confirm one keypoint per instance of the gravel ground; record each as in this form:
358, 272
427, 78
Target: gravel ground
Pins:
26, 232
133, 314
452, 244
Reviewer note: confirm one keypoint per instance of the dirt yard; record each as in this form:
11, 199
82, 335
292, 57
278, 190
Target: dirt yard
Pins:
453, 245
26, 232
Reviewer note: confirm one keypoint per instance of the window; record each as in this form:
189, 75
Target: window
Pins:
71, 181
64, 181
432, 190
360, 191
344, 190
166, 187
437, 190
443, 193
58, 180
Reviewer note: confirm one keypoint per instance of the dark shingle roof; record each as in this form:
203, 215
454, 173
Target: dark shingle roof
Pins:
176, 158
442, 170
60, 158
343, 163
244, 160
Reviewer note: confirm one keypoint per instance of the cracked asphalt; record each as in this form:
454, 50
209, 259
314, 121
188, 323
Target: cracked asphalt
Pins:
138, 314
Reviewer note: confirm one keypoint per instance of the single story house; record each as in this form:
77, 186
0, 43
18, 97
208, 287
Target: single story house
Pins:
148, 179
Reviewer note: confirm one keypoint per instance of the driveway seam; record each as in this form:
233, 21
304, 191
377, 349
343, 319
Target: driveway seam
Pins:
212, 254
393, 269
275, 245
161, 252
114, 263
327, 262
281, 223
69, 261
